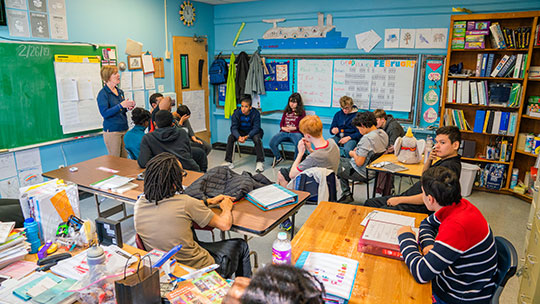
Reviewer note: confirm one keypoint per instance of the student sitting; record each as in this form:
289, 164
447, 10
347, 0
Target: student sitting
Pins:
345, 134
246, 124
154, 102
325, 154
168, 138
182, 114
284, 284
446, 148
133, 138
294, 112
392, 128
457, 250
164, 217
373, 141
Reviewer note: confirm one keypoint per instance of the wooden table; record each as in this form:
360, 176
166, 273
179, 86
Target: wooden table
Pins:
413, 170
335, 228
247, 218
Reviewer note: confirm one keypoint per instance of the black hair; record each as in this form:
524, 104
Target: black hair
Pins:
452, 132
283, 284
140, 116
162, 178
299, 104
153, 98
443, 184
163, 119
364, 119
183, 110
247, 99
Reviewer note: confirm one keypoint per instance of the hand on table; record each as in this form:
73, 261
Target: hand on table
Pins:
405, 229
226, 204
218, 199
393, 201
427, 249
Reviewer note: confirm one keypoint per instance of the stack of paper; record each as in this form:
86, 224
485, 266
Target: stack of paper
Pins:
5, 230
271, 197
14, 248
111, 182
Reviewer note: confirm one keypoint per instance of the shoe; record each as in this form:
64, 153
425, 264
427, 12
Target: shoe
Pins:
346, 199
286, 225
277, 161
228, 164
259, 168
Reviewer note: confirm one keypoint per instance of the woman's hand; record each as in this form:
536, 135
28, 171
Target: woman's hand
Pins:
128, 104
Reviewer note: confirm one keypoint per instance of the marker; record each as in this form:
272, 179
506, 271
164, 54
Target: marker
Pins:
167, 256
198, 273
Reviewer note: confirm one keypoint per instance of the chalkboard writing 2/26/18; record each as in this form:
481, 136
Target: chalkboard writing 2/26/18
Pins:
25, 50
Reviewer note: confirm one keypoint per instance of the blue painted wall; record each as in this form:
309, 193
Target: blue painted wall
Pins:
351, 18
112, 22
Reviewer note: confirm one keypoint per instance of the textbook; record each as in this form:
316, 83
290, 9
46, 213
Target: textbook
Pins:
380, 238
272, 196
111, 182
336, 273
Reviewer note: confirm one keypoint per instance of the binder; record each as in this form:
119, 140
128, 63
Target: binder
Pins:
503, 128
489, 67
474, 93
496, 122
486, 120
465, 95
484, 65
272, 196
491, 119
479, 121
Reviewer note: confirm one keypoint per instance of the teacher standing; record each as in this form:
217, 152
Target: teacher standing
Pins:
113, 108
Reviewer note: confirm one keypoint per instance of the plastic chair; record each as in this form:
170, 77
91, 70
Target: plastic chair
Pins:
309, 184
507, 260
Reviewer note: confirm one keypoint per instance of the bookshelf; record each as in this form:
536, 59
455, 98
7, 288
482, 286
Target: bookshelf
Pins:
529, 87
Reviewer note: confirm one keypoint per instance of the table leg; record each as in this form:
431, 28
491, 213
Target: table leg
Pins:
292, 223
253, 253
112, 211
374, 183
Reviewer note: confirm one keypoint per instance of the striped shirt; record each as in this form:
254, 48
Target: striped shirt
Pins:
463, 260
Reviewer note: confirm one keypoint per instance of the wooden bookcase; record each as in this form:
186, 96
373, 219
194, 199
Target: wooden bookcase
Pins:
525, 124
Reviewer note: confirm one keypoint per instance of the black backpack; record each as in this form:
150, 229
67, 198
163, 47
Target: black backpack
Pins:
218, 71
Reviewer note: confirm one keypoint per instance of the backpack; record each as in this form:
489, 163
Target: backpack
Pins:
218, 71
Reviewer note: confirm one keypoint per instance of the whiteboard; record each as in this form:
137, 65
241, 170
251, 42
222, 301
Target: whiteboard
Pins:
314, 82
78, 84
384, 83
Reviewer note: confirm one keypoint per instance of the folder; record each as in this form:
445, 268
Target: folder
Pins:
272, 196
503, 128
479, 121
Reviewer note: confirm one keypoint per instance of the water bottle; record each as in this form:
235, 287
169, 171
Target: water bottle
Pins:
341, 135
429, 147
281, 249
514, 180
95, 257
32, 235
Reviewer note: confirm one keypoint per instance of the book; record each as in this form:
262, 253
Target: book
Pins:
509, 64
478, 64
497, 35
210, 288
336, 273
503, 128
474, 93
512, 124
271, 196
465, 92
458, 91
112, 182
5, 230
484, 65
479, 121
518, 66
499, 66
57, 294
515, 95
450, 91
486, 120
490, 121
482, 98
496, 122
489, 66
381, 238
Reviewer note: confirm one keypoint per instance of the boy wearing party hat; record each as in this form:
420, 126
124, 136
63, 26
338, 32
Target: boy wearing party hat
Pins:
446, 148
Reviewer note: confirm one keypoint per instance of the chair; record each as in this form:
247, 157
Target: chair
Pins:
507, 260
371, 158
139, 242
309, 184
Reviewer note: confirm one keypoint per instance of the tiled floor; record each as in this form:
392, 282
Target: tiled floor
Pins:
507, 216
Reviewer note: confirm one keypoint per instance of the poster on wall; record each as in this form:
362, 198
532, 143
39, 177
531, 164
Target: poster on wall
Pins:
278, 77
431, 94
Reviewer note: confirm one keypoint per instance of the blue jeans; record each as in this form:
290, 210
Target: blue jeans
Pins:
281, 137
348, 146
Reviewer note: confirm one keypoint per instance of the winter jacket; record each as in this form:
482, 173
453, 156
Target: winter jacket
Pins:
242, 69
344, 121
255, 77
222, 180
393, 129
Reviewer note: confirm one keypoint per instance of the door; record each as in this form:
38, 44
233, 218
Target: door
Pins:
191, 81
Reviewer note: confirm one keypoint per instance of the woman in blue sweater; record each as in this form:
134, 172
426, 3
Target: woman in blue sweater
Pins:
113, 108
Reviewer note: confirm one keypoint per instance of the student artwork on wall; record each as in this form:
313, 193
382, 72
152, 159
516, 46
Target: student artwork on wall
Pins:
423, 38
278, 77
39, 24
407, 38
391, 38
322, 35
18, 23
43, 23
439, 37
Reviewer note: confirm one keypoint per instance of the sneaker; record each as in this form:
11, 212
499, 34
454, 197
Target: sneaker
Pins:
346, 199
259, 167
277, 161
286, 225
228, 164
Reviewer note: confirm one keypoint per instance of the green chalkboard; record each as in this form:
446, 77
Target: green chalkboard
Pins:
28, 98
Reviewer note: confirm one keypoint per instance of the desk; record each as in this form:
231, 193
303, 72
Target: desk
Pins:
335, 228
247, 218
413, 170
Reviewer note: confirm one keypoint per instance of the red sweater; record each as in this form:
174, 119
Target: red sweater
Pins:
291, 120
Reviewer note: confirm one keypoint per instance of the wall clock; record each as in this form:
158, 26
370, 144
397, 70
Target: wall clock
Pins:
187, 13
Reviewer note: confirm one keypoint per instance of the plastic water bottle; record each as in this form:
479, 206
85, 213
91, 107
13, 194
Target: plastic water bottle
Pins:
341, 135
514, 180
32, 235
95, 257
429, 148
281, 249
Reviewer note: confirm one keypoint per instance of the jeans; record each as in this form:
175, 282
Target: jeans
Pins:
281, 137
231, 255
348, 146
259, 150
381, 202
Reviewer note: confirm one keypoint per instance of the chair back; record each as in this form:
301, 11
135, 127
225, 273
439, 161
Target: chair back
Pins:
309, 184
139, 242
507, 260
130, 154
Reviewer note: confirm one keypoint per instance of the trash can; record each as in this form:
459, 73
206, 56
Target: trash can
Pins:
466, 180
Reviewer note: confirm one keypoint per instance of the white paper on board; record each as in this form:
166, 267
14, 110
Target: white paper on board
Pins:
138, 97
39, 25
28, 159
85, 89
391, 38
149, 82
407, 38
125, 80
7, 165
69, 89
57, 7
9, 188
194, 100
59, 27
18, 23
18, 4
30, 176
439, 38
423, 38
137, 80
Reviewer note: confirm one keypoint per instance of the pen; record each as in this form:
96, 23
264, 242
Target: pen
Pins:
169, 254
198, 273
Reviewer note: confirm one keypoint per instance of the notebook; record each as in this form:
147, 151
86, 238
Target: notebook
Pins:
272, 196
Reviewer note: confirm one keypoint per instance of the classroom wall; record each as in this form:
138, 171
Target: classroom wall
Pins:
350, 17
112, 22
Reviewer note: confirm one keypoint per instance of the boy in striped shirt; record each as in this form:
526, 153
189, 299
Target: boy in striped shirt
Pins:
457, 249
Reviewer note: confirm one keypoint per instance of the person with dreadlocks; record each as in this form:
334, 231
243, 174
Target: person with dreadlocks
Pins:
164, 216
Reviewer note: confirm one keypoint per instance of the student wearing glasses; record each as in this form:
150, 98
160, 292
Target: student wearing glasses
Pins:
344, 133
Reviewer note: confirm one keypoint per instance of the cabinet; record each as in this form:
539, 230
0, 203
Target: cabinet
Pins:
529, 290
524, 124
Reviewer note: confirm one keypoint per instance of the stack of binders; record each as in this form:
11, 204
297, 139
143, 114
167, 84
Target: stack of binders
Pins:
271, 197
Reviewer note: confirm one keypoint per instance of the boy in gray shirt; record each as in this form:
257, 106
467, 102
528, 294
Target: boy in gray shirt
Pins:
373, 141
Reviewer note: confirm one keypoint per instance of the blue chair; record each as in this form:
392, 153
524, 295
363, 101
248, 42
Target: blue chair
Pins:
507, 260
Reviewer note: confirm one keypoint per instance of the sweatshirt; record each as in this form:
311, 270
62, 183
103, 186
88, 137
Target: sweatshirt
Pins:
168, 139
344, 121
291, 120
242, 125
393, 129
114, 115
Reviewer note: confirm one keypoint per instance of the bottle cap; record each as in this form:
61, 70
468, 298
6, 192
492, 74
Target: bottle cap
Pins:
29, 220
282, 236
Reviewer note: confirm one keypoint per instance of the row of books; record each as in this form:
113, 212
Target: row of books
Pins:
456, 118
495, 122
469, 34
537, 36
517, 38
480, 93
508, 66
